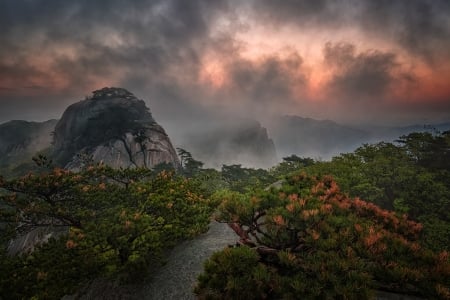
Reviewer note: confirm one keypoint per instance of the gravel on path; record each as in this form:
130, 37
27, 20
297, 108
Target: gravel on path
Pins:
177, 278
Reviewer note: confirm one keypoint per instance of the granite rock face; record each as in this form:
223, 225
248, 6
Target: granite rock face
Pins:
113, 127
27, 242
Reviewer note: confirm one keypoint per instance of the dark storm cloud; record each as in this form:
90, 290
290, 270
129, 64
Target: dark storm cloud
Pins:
422, 27
154, 33
303, 12
269, 81
156, 49
176, 19
136, 44
359, 76
252, 89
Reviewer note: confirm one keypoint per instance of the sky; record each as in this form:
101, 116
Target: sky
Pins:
353, 61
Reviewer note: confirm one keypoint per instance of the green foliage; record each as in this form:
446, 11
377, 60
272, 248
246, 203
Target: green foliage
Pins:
210, 180
303, 240
428, 150
189, 166
291, 164
118, 222
163, 166
248, 277
233, 177
49, 272
307, 240
243, 179
411, 177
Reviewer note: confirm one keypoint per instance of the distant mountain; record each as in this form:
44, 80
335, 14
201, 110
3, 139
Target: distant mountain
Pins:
114, 127
243, 142
20, 140
324, 139
389, 134
314, 138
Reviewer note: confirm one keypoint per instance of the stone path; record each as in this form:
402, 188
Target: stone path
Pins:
176, 279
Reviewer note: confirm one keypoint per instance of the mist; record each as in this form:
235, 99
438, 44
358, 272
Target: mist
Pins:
202, 65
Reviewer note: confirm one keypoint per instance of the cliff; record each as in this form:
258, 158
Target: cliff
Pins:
114, 127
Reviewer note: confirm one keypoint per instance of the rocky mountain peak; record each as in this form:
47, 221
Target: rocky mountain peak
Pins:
112, 126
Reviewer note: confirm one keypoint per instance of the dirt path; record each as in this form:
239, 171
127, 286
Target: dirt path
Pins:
177, 278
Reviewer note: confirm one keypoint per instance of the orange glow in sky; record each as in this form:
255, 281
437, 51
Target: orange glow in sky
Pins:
291, 56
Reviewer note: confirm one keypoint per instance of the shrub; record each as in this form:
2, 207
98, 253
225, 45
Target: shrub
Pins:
311, 241
119, 223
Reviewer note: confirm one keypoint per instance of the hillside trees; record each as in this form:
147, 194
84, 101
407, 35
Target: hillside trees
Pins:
410, 177
234, 177
431, 151
118, 224
189, 166
243, 179
308, 240
291, 164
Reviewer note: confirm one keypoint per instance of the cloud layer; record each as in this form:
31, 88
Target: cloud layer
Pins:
198, 60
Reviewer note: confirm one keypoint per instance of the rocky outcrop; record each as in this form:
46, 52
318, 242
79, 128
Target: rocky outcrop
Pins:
113, 127
27, 242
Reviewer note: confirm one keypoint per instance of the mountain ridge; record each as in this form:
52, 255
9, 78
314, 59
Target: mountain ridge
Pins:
323, 139
85, 124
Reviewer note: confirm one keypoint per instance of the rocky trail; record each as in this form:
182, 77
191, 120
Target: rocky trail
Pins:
176, 279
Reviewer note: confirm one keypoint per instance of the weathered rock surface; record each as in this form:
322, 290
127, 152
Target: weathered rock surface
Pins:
176, 280
28, 241
114, 127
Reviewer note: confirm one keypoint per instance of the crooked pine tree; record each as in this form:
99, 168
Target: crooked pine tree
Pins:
307, 240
